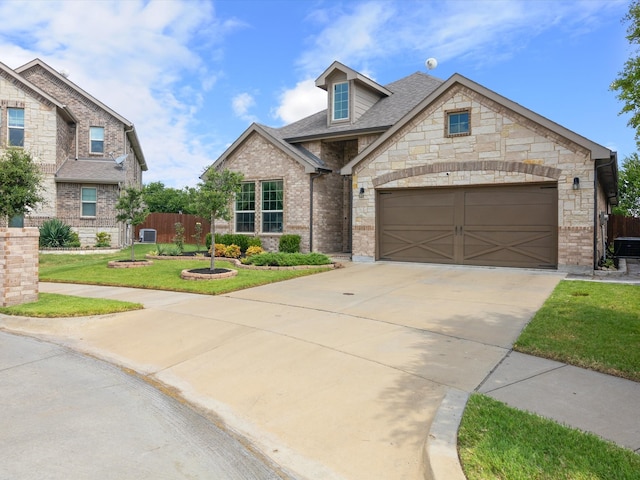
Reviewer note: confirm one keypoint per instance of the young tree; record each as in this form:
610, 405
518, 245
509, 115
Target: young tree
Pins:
627, 84
20, 187
213, 199
132, 211
629, 187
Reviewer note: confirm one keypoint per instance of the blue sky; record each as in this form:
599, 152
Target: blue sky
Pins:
193, 75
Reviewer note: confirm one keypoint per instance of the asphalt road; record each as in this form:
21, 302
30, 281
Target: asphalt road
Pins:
68, 416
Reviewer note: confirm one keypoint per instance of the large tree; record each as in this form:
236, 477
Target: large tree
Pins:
168, 200
20, 184
213, 199
627, 84
629, 187
132, 211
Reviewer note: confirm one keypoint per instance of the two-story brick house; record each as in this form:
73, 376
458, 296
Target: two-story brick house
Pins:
87, 152
425, 170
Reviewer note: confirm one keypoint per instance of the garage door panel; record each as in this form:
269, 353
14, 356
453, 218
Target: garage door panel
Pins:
513, 225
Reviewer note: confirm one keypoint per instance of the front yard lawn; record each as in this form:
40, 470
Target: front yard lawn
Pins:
52, 305
591, 325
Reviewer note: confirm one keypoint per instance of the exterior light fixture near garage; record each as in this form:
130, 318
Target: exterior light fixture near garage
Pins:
576, 183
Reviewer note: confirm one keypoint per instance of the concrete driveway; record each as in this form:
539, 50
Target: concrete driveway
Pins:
333, 376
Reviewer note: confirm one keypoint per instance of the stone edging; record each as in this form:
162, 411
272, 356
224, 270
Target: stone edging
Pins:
128, 264
187, 275
239, 264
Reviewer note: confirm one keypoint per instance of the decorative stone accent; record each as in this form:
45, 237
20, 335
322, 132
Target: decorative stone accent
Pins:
18, 266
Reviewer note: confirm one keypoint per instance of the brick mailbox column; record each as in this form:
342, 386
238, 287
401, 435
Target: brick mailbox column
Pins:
18, 265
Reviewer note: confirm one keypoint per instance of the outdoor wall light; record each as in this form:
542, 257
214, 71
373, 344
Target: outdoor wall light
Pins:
576, 183
361, 192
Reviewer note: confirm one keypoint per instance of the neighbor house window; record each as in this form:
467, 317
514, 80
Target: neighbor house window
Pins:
246, 208
89, 201
458, 123
272, 205
16, 126
96, 136
341, 101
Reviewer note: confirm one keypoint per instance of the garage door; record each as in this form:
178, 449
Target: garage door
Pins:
511, 226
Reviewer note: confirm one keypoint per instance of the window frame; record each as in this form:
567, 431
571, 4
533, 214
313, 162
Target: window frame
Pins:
84, 202
13, 128
241, 202
338, 97
91, 139
268, 202
450, 114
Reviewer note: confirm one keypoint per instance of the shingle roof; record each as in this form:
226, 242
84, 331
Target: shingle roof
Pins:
87, 170
407, 93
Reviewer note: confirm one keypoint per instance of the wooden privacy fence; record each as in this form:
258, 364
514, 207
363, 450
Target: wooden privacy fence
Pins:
619, 226
165, 226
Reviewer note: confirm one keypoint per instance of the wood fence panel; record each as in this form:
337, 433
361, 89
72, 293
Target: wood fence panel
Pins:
620, 226
164, 224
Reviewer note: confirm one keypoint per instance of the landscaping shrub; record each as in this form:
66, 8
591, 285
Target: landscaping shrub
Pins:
178, 240
207, 241
103, 239
287, 259
232, 251
254, 242
55, 234
254, 250
289, 244
220, 250
243, 241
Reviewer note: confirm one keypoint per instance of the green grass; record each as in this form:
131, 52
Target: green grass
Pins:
590, 325
162, 275
498, 442
52, 305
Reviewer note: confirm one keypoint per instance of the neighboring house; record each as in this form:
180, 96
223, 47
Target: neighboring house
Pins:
425, 170
76, 140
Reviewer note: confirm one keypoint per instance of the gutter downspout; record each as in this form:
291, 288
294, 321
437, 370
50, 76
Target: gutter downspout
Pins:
595, 211
318, 173
124, 144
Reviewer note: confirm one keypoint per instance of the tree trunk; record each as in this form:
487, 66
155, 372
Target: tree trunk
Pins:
212, 267
133, 259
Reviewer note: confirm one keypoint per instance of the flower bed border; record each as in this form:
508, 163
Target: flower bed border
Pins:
129, 264
239, 264
188, 275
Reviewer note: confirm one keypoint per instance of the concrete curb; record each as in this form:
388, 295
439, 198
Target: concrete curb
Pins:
441, 452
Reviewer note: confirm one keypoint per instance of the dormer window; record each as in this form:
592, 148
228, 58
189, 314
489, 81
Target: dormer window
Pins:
341, 101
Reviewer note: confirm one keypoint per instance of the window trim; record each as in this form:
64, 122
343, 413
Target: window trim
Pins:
237, 211
83, 202
14, 127
263, 211
334, 101
91, 140
447, 126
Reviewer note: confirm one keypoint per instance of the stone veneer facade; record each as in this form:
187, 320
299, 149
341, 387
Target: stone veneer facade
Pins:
18, 266
502, 148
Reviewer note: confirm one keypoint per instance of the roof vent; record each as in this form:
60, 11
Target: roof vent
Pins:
65, 73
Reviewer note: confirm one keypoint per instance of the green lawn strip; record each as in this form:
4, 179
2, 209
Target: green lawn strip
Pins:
51, 305
588, 324
499, 442
162, 275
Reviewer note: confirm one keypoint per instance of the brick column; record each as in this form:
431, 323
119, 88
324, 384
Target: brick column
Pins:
18, 265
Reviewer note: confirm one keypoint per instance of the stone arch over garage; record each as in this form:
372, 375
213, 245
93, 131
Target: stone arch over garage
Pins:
469, 166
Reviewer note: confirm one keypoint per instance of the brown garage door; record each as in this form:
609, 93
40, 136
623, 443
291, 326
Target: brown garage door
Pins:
514, 226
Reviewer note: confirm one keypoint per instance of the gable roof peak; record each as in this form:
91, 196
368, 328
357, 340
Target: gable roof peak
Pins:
351, 74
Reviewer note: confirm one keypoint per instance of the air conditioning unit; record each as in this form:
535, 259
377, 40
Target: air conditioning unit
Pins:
626, 247
148, 235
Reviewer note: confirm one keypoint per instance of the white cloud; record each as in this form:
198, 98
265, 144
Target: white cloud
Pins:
145, 60
302, 100
241, 105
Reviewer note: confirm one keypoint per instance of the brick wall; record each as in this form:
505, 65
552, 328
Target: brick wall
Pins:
18, 266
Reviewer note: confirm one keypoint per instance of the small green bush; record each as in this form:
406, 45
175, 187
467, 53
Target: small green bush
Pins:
287, 259
289, 244
178, 240
232, 251
243, 241
254, 242
55, 233
103, 239
207, 241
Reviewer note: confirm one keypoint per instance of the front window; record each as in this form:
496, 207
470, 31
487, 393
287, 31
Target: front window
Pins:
246, 208
16, 126
89, 201
272, 206
341, 101
96, 135
458, 123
